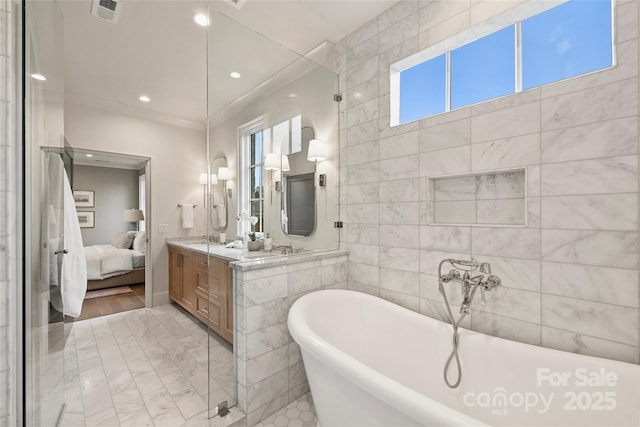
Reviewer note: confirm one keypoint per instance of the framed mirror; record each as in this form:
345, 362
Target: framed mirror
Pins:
297, 189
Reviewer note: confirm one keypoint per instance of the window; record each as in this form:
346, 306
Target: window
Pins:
423, 89
483, 69
256, 197
566, 41
563, 41
251, 177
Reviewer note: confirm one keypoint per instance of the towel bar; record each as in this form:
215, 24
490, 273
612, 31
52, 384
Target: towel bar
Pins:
180, 205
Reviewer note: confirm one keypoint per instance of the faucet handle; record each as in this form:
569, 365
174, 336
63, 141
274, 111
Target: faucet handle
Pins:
492, 282
485, 268
483, 299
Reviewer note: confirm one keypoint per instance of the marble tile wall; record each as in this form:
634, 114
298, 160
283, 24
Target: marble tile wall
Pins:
270, 372
570, 277
8, 194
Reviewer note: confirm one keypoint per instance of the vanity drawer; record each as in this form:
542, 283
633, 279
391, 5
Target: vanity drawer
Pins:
208, 311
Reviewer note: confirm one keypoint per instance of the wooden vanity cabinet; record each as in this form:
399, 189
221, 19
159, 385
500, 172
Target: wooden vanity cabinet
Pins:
203, 288
180, 278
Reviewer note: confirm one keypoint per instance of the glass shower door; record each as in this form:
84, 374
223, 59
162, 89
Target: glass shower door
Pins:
44, 213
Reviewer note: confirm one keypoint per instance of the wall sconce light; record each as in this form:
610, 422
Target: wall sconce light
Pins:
203, 182
271, 162
285, 163
317, 151
203, 179
224, 175
133, 216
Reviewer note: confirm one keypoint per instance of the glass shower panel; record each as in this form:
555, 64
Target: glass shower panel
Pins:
275, 85
44, 213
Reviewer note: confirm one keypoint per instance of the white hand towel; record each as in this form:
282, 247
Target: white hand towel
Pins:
187, 215
222, 217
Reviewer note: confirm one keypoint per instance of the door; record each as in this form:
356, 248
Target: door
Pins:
44, 331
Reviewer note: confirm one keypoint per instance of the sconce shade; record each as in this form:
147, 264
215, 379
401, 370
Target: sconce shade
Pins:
285, 163
203, 179
132, 215
271, 162
317, 151
224, 174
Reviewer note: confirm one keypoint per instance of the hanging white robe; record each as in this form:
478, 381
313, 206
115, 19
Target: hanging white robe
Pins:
74, 266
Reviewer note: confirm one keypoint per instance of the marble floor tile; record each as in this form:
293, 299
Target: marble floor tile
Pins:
146, 367
300, 412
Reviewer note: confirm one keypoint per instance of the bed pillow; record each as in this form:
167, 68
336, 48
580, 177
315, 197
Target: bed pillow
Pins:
140, 242
122, 240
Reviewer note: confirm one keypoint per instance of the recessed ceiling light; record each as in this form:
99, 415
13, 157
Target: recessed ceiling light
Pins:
235, 75
38, 77
144, 98
292, 95
89, 155
201, 19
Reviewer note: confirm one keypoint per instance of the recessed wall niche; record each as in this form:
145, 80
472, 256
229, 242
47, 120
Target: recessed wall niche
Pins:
496, 198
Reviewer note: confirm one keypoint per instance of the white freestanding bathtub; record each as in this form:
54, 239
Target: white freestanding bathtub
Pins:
372, 363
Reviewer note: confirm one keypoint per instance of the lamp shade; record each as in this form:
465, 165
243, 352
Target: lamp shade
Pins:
271, 162
203, 179
317, 151
132, 215
285, 163
224, 174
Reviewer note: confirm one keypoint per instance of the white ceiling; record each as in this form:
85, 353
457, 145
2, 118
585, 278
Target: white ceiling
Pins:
156, 49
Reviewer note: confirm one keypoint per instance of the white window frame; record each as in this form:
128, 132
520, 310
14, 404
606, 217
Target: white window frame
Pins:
497, 23
244, 180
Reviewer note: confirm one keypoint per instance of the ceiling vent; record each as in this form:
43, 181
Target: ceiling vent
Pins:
109, 10
236, 3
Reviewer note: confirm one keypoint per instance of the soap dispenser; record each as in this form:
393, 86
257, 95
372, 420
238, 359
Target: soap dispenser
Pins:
267, 243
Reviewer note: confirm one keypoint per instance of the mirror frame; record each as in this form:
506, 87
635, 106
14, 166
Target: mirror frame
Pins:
283, 186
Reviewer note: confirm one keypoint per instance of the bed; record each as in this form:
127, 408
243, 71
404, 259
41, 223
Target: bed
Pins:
117, 264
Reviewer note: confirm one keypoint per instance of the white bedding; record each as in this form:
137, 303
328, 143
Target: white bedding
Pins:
104, 261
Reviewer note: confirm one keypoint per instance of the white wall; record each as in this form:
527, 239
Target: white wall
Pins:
570, 278
114, 191
177, 157
314, 101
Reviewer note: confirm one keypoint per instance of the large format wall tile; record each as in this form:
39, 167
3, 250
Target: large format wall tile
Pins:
617, 137
600, 284
600, 248
619, 99
570, 275
606, 175
612, 322
591, 212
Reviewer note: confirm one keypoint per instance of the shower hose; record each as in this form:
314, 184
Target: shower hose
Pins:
456, 342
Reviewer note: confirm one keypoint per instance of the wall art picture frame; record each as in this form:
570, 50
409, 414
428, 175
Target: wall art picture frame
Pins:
86, 219
84, 198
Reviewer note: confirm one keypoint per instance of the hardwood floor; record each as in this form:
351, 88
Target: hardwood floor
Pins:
97, 307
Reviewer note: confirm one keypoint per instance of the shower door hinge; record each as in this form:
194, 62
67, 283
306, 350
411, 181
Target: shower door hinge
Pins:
337, 224
337, 97
223, 408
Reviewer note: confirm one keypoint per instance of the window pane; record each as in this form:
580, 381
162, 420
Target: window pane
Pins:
423, 89
256, 148
256, 183
483, 69
256, 210
568, 40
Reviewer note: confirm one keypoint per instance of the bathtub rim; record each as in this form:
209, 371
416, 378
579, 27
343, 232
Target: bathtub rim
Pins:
403, 398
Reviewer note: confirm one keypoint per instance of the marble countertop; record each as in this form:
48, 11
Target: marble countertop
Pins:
243, 260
